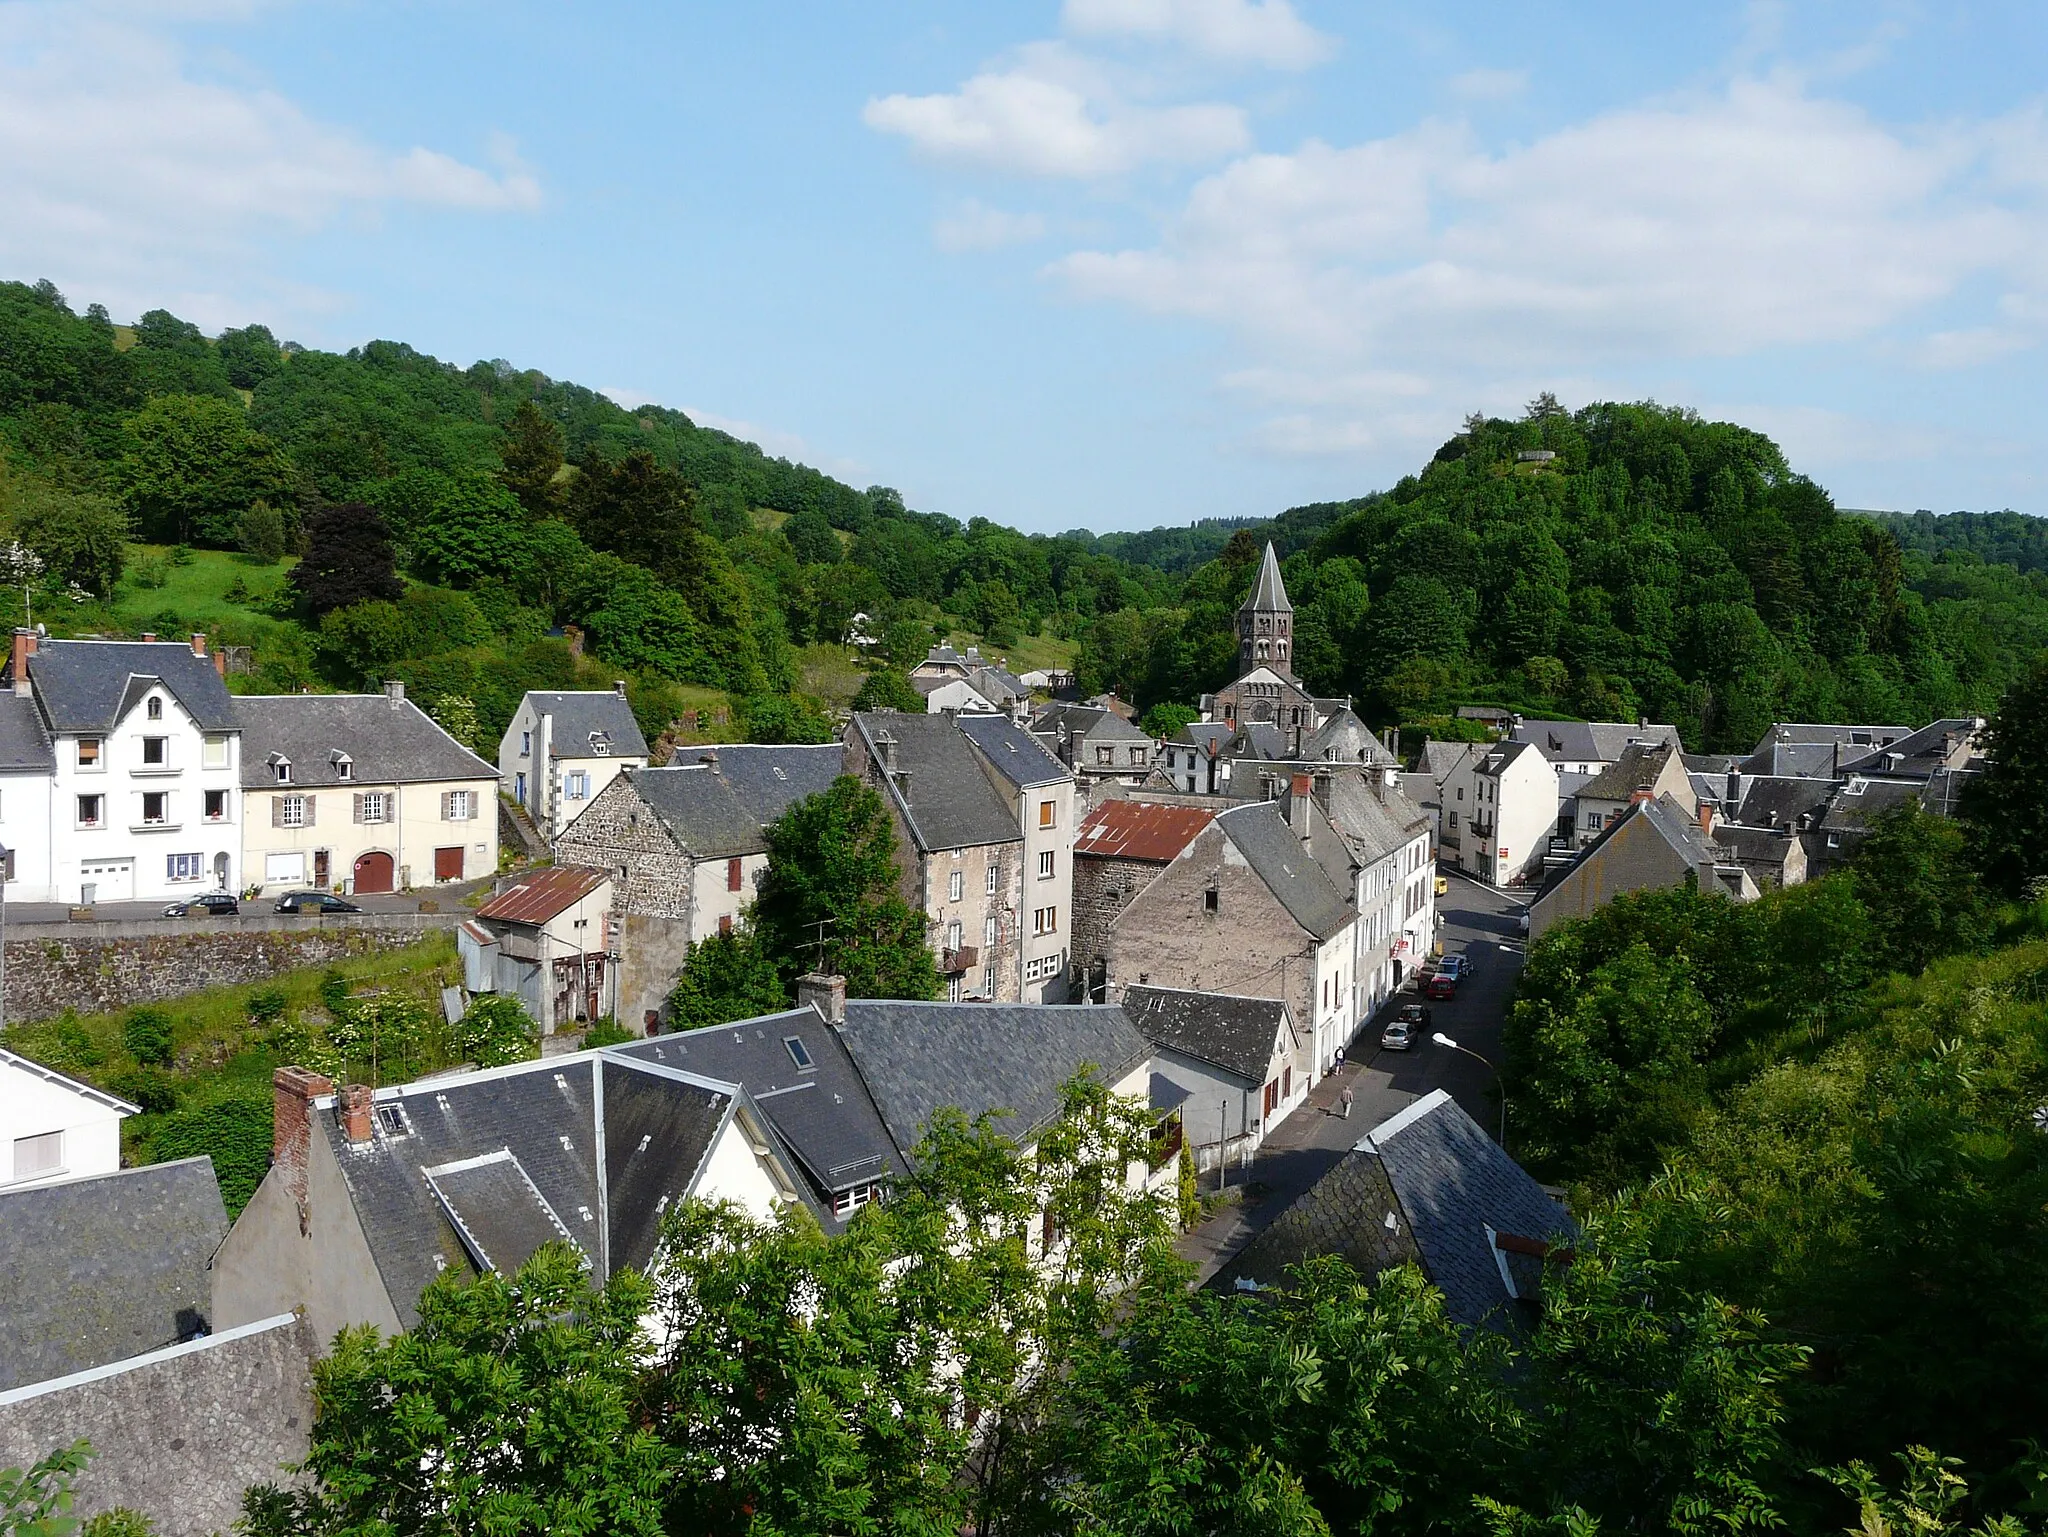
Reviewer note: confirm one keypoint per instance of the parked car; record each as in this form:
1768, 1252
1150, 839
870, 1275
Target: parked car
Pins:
1443, 984
214, 904
1398, 1036
1455, 964
314, 902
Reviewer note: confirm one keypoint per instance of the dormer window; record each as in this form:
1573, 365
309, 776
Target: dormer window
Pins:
600, 744
281, 769
344, 766
154, 708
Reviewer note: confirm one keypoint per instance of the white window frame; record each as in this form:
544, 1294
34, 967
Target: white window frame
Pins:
1047, 864
292, 811
213, 751
955, 886
37, 1142
195, 867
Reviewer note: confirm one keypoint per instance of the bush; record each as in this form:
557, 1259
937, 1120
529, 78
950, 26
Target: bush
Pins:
607, 1032
260, 533
150, 1089
268, 1006
496, 1030
234, 1133
889, 691
146, 1032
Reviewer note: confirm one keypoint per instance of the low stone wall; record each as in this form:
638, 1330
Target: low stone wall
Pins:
180, 1433
92, 967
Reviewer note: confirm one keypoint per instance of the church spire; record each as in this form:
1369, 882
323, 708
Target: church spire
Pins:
1265, 624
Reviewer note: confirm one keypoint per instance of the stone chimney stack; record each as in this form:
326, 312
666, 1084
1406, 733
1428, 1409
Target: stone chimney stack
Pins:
24, 648
355, 1112
619, 687
824, 992
394, 691
1299, 794
293, 1090
198, 643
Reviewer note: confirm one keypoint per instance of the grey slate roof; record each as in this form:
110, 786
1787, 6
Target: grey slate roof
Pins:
1211, 736
1636, 769
823, 1113
1443, 1182
88, 685
1275, 854
544, 1115
917, 1057
1269, 592
1862, 801
1344, 738
720, 803
24, 744
1014, 753
1439, 758
579, 713
388, 741
1581, 741
1806, 760
1086, 722
950, 804
1233, 1033
98, 1269
1917, 756
1501, 754
1769, 800
1862, 738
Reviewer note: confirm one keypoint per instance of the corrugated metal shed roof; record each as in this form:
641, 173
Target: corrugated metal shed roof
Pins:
543, 895
1140, 830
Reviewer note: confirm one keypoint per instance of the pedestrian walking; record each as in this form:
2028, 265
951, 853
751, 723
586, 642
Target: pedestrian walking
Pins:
1345, 1098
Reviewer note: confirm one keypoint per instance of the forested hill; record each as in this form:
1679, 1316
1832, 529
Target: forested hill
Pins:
1655, 564
1617, 561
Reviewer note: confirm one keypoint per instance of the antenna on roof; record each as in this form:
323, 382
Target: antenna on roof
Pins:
820, 924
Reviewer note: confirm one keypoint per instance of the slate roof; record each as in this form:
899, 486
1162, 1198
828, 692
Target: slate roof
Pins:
1805, 760
1672, 823
1086, 722
97, 1269
1233, 1033
1439, 758
1012, 751
580, 712
950, 804
719, 802
1638, 768
1372, 825
1767, 797
823, 1113
24, 744
1269, 592
1760, 847
544, 1116
1581, 741
1210, 736
1862, 801
1918, 755
1125, 829
1861, 737
1344, 738
89, 685
1291, 873
918, 1057
1501, 754
387, 741
543, 895
1444, 1183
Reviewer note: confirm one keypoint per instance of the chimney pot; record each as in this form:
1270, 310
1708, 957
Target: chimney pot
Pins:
198, 644
394, 691
355, 1112
619, 687
149, 635
825, 992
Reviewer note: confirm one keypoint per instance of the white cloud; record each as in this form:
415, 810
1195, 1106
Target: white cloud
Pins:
1489, 84
1716, 225
1056, 113
1267, 32
632, 400
772, 441
974, 226
122, 170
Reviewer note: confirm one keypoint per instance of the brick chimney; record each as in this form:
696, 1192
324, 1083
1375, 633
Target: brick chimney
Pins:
1706, 819
355, 1112
1298, 797
149, 635
293, 1090
220, 663
24, 648
198, 644
825, 993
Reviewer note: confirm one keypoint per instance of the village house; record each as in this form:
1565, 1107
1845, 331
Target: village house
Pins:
1120, 847
1229, 1064
137, 745
1587, 747
53, 1126
1652, 844
1100, 746
1640, 773
1040, 793
364, 792
563, 748
1500, 810
547, 941
952, 680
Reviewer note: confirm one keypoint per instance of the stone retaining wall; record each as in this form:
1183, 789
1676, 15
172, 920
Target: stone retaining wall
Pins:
100, 966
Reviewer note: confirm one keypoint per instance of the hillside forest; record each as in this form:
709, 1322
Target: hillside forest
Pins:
484, 530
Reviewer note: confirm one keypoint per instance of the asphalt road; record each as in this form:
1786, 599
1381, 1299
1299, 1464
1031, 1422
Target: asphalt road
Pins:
25, 913
1305, 1146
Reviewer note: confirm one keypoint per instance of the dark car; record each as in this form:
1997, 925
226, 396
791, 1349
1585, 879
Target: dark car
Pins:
1442, 985
215, 904
315, 902
1405, 1028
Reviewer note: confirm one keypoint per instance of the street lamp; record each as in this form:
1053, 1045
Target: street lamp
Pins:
1444, 1040
5, 855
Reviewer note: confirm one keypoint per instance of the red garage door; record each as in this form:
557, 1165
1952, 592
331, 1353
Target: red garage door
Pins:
373, 874
448, 864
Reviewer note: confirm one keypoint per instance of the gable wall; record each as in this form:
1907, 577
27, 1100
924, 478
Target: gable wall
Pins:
1635, 858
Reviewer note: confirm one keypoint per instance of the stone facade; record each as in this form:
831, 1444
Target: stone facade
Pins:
64, 968
1102, 887
180, 1433
620, 833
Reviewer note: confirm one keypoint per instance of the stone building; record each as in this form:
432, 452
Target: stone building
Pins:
1266, 692
1120, 848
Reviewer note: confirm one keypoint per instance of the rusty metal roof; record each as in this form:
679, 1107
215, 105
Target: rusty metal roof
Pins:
543, 895
1140, 830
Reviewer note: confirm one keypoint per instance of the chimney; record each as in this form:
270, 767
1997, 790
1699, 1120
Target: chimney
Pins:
149, 635
220, 663
619, 687
1706, 819
1297, 807
198, 644
293, 1090
825, 993
902, 779
355, 1112
1636, 796
885, 749
1733, 796
24, 648
394, 691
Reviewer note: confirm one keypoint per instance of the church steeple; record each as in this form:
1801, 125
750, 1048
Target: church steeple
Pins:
1265, 624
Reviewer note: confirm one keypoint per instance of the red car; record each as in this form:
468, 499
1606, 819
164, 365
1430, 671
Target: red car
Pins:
1444, 984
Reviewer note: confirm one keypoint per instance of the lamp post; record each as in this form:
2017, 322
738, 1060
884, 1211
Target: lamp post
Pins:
1444, 1040
6, 854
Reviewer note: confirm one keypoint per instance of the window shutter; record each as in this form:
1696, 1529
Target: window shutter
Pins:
447, 805
311, 802
359, 805
277, 811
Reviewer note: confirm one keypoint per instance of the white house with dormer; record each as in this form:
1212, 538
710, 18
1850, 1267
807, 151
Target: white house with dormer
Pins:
563, 748
54, 1127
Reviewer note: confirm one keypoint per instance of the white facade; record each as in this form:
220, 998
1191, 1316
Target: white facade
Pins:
1396, 902
372, 837
1335, 996
553, 769
53, 1127
1046, 913
1500, 809
25, 834
957, 695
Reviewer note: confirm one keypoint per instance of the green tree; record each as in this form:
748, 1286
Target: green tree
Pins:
81, 538
508, 1408
532, 459
250, 355
783, 718
1914, 877
495, 1030
1165, 720
832, 860
814, 541
260, 533
887, 690
146, 1032
2006, 806
36, 1502
192, 464
348, 560
726, 977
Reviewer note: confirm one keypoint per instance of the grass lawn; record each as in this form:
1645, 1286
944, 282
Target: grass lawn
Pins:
1031, 652
196, 591
215, 1096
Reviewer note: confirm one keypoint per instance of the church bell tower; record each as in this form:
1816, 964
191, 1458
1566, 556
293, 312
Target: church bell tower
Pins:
1265, 624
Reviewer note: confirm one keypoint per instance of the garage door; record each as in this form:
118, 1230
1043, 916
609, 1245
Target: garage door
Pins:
107, 880
373, 874
448, 864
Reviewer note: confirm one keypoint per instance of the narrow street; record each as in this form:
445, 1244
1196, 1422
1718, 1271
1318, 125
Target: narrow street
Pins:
1303, 1148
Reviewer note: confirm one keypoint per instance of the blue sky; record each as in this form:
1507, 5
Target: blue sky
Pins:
1101, 263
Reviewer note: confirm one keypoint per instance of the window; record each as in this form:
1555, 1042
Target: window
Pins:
41, 1154
89, 810
1595, 820
991, 929
602, 747
846, 1202
156, 751
954, 886
391, 1116
184, 867
458, 805
281, 770
289, 868
1210, 900
988, 980
1461, 792
291, 811
89, 752
798, 1052
155, 708
1140, 754
733, 875
1048, 813
577, 787
373, 806
725, 923
213, 752
1045, 920
953, 935
1454, 821
6, 864
526, 744
992, 872
1045, 864
344, 766
1105, 755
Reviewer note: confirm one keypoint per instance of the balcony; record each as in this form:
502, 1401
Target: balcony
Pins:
966, 958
